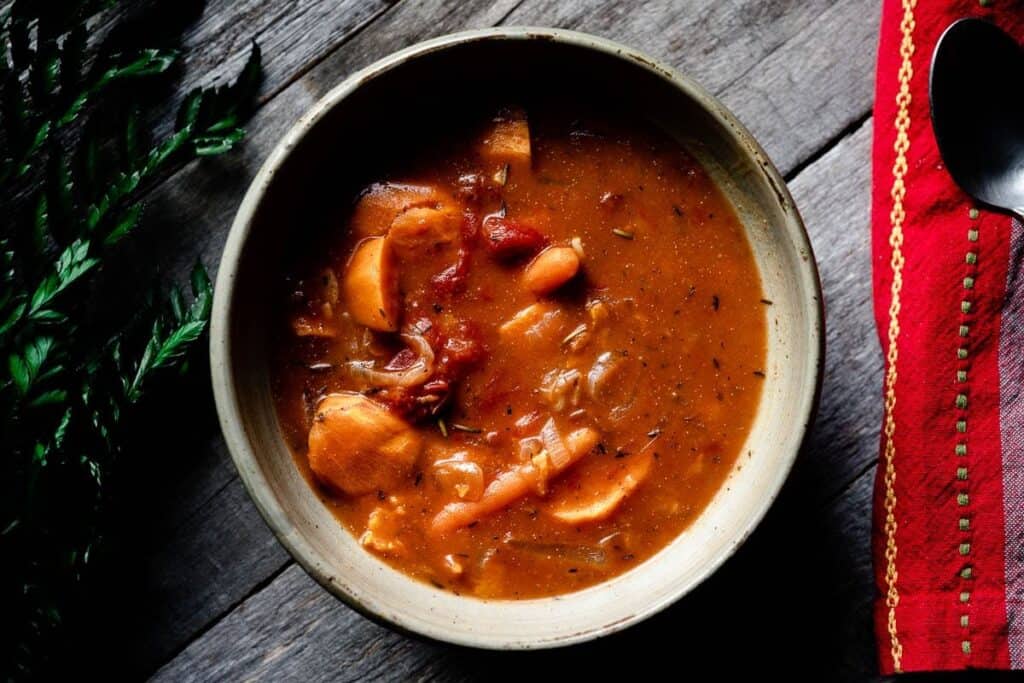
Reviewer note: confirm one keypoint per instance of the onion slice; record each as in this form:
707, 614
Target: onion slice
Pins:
554, 445
414, 375
603, 366
529, 447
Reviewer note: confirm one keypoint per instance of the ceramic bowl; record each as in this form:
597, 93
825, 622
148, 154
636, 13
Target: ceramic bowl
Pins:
307, 171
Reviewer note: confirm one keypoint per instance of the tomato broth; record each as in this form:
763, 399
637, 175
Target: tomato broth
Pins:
528, 357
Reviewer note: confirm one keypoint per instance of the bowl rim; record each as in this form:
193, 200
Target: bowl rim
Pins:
222, 370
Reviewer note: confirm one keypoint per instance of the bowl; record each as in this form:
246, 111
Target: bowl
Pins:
365, 119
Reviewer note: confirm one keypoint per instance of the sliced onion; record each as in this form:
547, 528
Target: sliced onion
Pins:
416, 374
605, 382
603, 366
554, 445
528, 448
420, 346
561, 386
563, 551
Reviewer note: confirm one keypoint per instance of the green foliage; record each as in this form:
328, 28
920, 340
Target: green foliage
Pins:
75, 157
172, 333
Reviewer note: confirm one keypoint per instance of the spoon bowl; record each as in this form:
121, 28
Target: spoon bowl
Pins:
977, 106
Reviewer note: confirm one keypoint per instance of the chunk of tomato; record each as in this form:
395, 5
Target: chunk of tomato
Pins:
508, 239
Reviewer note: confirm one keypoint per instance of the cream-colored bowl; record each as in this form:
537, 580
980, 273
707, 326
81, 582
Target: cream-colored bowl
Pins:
337, 140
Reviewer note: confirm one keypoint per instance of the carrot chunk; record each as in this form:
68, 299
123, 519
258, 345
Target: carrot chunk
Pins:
370, 286
423, 229
357, 446
383, 202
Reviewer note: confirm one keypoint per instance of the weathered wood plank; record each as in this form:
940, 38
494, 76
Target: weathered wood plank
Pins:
834, 198
208, 584
795, 72
689, 39
293, 34
216, 34
812, 89
759, 616
715, 42
801, 568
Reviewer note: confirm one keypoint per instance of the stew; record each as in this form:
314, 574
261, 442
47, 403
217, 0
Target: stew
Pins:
528, 357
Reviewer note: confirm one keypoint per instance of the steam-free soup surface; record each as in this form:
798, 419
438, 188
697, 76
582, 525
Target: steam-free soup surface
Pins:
527, 357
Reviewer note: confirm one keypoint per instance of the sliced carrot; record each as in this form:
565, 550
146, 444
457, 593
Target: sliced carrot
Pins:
596, 501
370, 286
513, 484
421, 230
357, 446
383, 202
506, 488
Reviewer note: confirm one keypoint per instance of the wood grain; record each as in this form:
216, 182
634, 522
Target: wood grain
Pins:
214, 36
293, 34
798, 73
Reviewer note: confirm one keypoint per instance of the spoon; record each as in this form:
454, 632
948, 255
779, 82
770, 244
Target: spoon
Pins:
976, 89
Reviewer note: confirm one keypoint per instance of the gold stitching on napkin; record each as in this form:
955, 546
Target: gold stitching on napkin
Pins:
960, 448
896, 218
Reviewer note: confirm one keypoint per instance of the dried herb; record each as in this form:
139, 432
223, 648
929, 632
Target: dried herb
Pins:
466, 428
73, 163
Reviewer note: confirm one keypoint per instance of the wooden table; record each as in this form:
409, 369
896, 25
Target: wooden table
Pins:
223, 600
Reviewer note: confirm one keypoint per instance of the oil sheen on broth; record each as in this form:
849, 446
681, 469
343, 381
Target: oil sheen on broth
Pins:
526, 358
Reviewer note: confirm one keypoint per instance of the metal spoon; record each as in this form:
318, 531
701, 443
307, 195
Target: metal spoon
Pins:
976, 88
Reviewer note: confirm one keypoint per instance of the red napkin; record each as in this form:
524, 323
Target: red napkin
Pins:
949, 304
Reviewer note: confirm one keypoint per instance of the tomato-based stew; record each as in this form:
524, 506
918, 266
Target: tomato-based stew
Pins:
525, 358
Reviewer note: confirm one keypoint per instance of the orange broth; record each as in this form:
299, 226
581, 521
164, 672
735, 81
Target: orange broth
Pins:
649, 358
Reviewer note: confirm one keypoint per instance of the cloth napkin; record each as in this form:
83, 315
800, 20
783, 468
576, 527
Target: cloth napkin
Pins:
949, 305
